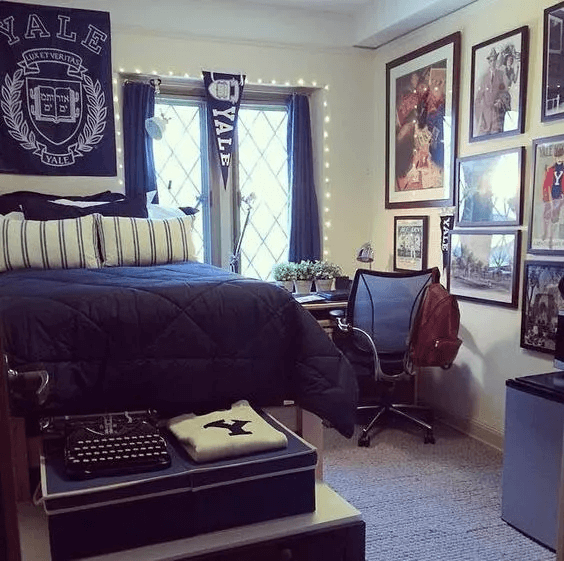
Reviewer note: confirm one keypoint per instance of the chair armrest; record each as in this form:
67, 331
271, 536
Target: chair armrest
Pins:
339, 317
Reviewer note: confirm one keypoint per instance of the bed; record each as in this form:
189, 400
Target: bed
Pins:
122, 328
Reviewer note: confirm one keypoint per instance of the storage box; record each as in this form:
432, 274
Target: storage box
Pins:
113, 513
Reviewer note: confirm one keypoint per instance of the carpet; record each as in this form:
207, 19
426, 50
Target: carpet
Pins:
425, 502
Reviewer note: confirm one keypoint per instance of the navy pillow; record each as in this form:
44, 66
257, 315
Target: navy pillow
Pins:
12, 202
49, 210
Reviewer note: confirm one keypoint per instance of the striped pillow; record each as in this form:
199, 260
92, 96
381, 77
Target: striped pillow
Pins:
145, 241
49, 244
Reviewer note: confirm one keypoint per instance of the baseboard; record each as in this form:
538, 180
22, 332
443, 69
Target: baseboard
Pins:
488, 435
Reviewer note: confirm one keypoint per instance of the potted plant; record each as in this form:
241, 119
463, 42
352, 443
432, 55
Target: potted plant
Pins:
284, 274
324, 273
304, 276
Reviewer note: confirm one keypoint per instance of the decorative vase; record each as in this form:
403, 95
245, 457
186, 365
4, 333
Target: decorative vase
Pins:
302, 286
323, 285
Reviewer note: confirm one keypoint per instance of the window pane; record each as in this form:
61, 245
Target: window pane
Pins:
263, 170
178, 161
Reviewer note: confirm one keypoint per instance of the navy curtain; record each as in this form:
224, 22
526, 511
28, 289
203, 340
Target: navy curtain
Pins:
304, 229
138, 105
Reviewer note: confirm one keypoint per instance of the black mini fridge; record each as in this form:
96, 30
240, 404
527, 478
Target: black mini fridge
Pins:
534, 420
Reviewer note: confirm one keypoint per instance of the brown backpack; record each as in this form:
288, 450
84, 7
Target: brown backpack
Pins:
434, 336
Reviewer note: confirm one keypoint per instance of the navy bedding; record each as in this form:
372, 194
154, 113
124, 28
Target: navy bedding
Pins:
177, 338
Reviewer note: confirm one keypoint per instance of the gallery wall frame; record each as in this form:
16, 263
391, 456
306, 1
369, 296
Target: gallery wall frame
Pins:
422, 90
489, 188
546, 226
541, 301
498, 86
484, 266
410, 242
552, 98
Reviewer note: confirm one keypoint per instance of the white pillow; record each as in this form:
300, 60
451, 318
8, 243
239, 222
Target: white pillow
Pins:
71, 243
160, 211
14, 215
144, 241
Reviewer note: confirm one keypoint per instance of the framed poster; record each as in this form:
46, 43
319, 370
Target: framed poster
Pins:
541, 302
490, 188
484, 266
421, 125
552, 97
410, 242
498, 85
546, 229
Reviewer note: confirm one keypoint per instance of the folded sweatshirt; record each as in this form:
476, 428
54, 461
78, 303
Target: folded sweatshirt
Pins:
226, 434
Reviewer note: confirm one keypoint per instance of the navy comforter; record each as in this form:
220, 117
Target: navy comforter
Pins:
176, 338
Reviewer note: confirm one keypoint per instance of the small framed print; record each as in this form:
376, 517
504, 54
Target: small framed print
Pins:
484, 266
552, 98
410, 242
490, 188
541, 302
499, 85
421, 125
546, 229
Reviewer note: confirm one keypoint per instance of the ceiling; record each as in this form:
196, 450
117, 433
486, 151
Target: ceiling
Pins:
321, 23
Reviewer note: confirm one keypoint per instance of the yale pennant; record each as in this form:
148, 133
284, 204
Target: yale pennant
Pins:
56, 103
223, 94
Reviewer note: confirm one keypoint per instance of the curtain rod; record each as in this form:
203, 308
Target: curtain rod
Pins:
197, 82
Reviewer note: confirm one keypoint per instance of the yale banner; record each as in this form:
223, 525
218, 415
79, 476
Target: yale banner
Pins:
56, 103
223, 94
447, 223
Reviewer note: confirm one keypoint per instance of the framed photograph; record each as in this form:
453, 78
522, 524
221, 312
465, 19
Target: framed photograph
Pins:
541, 302
490, 188
410, 242
484, 266
421, 125
552, 97
498, 86
546, 228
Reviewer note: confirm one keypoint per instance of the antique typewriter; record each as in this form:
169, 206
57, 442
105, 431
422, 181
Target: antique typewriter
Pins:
111, 444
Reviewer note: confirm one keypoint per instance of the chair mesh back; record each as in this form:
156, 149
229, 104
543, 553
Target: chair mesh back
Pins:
384, 305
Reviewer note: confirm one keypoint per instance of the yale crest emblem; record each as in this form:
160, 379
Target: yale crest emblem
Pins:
52, 101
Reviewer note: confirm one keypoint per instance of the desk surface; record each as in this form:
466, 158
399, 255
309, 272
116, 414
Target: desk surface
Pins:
324, 305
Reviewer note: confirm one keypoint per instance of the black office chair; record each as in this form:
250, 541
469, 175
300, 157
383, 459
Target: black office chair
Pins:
375, 335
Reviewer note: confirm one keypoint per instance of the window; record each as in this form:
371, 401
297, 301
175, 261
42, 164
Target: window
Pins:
188, 175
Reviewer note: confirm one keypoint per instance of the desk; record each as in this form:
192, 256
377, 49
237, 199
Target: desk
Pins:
320, 311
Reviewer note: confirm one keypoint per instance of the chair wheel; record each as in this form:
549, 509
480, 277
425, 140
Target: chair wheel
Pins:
429, 439
364, 441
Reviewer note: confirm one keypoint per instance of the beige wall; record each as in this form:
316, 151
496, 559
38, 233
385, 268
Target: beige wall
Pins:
473, 391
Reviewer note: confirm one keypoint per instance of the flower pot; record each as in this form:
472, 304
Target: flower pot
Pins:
323, 285
287, 284
302, 286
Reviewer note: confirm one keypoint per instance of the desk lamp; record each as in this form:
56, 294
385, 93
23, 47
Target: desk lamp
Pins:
365, 254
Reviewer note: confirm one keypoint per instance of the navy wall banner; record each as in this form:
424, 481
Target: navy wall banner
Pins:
56, 103
223, 93
447, 222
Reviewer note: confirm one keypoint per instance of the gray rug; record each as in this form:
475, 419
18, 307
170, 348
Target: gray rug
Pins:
424, 502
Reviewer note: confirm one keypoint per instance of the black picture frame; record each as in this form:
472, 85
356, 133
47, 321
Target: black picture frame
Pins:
552, 94
546, 221
489, 188
484, 266
422, 89
541, 300
498, 86
410, 242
